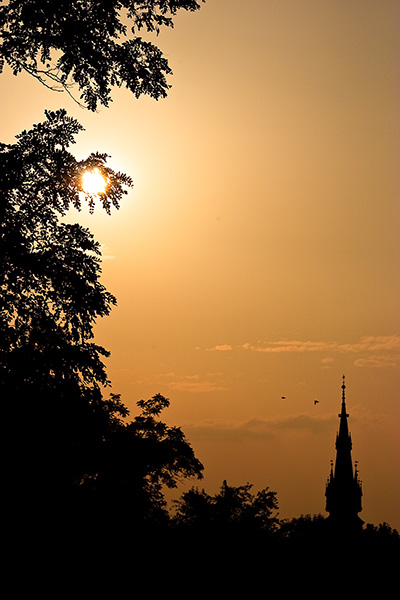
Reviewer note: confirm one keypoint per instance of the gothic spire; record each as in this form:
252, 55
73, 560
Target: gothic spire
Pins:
343, 491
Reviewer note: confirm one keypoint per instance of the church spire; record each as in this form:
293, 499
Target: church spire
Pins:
343, 491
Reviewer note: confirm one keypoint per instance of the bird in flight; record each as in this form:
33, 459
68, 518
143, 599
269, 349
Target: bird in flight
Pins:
283, 397
316, 402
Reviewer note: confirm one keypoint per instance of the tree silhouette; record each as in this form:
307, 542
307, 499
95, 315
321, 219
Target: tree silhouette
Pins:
231, 532
62, 43
303, 530
51, 371
136, 461
232, 509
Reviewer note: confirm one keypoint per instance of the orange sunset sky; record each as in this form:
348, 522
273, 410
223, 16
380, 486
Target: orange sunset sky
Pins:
257, 255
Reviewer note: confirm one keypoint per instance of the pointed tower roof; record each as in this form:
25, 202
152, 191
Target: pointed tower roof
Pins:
343, 491
343, 465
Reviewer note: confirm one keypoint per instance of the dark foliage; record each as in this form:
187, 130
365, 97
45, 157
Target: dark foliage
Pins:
51, 293
367, 557
93, 44
135, 461
50, 270
232, 509
51, 371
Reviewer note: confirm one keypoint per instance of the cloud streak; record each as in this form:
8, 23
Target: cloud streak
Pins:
258, 429
366, 345
191, 384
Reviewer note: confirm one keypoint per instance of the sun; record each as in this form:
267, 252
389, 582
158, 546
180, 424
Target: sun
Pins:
93, 182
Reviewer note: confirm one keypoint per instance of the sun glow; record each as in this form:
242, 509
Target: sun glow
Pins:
93, 182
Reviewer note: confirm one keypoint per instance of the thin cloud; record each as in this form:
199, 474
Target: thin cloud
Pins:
192, 384
258, 429
377, 361
366, 345
327, 362
195, 387
221, 348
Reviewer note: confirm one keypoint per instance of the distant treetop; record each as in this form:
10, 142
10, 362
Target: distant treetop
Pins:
93, 44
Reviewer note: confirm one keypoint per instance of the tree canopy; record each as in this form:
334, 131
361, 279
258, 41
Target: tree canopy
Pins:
232, 508
50, 270
137, 459
93, 44
51, 295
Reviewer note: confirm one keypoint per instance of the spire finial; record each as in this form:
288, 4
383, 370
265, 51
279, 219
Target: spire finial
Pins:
343, 413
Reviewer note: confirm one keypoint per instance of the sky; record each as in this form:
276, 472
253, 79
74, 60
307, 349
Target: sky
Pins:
257, 256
